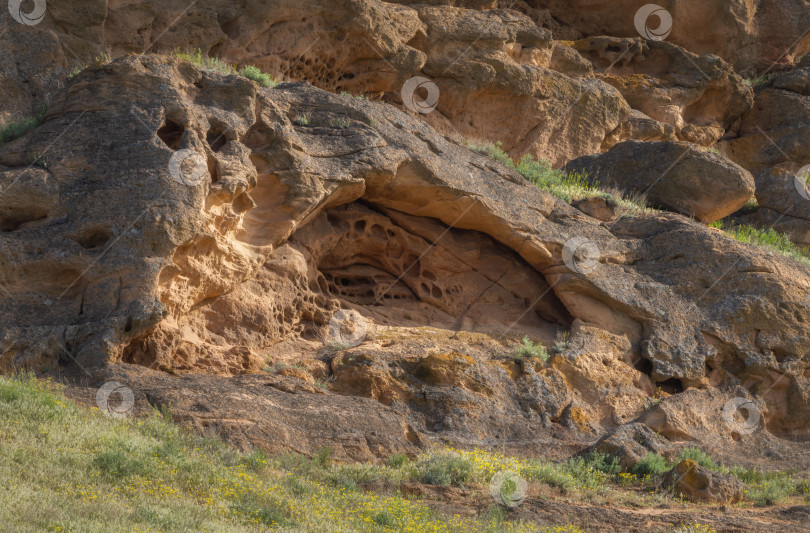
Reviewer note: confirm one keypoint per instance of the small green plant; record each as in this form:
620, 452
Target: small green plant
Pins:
253, 73
717, 224
384, 519
355, 96
699, 456
341, 122
760, 82
750, 206
771, 492
694, 528
495, 516
651, 464
602, 462
35, 159
445, 469
118, 461
16, 129
302, 120
528, 349
592, 470
203, 61
324, 457
255, 461
562, 344
324, 384
397, 460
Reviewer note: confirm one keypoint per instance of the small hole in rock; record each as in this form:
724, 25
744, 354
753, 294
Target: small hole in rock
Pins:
171, 134
92, 237
643, 366
216, 139
213, 169
15, 222
671, 386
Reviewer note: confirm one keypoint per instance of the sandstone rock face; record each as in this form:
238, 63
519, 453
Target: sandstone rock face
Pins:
699, 484
673, 175
497, 74
226, 225
774, 132
493, 68
751, 35
699, 96
507, 92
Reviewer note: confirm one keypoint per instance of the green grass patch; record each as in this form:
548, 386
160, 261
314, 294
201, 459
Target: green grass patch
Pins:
529, 349
212, 64
568, 187
761, 82
699, 456
446, 469
16, 129
262, 78
652, 464
769, 239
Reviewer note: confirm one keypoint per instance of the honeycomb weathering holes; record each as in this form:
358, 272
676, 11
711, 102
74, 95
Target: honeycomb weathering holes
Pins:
171, 134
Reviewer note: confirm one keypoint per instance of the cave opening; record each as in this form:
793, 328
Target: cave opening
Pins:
412, 271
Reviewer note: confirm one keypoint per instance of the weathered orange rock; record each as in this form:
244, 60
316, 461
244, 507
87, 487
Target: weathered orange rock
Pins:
700, 484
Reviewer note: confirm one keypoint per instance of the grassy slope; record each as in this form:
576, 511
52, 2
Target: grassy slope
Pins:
70, 468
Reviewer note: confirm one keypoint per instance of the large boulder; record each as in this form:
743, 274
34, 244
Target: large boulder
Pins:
673, 175
699, 484
632, 442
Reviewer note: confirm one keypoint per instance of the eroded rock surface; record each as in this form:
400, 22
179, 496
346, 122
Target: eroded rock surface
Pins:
751, 35
244, 258
499, 75
693, 482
